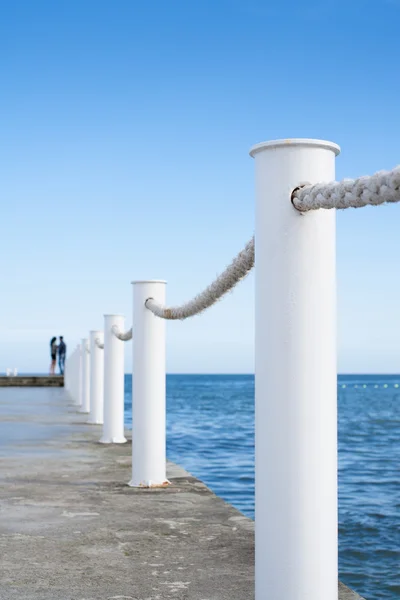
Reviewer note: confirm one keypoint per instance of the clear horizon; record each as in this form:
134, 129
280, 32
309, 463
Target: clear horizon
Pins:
342, 374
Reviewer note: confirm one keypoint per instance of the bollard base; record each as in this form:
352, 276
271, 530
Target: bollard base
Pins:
114, 440
149, 484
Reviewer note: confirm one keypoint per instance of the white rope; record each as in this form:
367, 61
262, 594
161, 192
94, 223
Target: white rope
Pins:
376, 189
235, 272
124, 337
99, 344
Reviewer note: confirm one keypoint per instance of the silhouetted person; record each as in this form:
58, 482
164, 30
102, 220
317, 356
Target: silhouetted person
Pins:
53, 354
62, 351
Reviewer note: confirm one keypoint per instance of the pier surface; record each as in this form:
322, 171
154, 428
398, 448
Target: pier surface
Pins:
71, 528
32, 381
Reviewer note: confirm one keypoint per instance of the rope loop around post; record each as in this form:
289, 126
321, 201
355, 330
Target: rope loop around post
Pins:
235, 272
99, 344
373, 190
123, 336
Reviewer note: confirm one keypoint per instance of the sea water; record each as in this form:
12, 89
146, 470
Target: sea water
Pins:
210, 432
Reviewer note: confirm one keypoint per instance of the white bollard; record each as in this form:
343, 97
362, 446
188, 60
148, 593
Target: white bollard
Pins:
148, 388
295, 367
72, 370
96, 378
70, 375
78, 381
67, 374
85, 376
114, 384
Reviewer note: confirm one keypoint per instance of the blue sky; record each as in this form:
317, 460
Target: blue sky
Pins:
125, 130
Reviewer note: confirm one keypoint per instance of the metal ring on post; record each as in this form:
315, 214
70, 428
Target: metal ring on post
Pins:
293, 194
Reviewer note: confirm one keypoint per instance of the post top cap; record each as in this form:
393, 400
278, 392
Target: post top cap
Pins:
96, 331
113, 315
294, 142
149, 281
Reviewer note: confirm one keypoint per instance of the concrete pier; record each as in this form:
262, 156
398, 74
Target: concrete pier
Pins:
32, 381
72, 529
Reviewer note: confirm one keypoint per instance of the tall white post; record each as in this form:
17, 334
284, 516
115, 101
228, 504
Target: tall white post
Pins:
75, 376
69, 376
295, 367
85, 376
148, 388
113, 427
78, 383
96, 378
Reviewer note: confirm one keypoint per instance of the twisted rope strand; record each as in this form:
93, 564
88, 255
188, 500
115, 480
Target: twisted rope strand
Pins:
379, 188
124, 337
235, 272
99, 344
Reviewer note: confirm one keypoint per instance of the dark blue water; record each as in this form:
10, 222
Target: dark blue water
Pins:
210, 431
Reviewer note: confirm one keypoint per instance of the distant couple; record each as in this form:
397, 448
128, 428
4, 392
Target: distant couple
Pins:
61, 349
